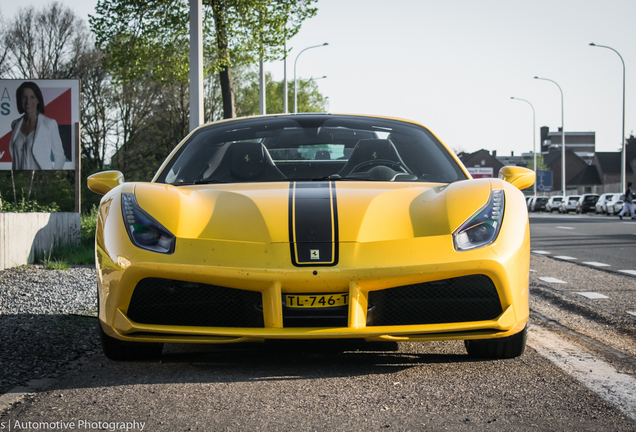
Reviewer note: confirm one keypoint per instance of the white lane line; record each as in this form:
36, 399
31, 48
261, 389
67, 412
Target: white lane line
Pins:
564, 227
540, 252
596, 264
629, 272
592, 295
600, 377
551, 280
631, 313
563, 257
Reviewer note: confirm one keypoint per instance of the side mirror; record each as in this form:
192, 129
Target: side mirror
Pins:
519, 177
102, 182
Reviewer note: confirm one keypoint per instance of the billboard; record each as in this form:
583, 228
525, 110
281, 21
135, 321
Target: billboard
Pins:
37, 119
480, 172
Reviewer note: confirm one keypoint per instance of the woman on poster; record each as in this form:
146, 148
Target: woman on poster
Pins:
34, 136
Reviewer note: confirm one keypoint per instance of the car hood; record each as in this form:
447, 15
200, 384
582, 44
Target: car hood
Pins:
305, 211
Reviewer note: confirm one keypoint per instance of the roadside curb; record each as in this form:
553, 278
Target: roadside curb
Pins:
17, 394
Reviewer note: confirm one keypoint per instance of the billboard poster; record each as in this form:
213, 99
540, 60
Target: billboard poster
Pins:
480, 172
37, 119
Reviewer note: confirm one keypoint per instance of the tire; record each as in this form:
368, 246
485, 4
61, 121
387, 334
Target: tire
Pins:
502, 348
118, 350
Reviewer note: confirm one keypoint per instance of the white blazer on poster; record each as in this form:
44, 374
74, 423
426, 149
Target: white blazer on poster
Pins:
47, 139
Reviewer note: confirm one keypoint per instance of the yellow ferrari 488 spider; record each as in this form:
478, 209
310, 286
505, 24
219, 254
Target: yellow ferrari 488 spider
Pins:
312, 226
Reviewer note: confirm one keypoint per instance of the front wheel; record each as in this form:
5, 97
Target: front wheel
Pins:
116, 349
502, 348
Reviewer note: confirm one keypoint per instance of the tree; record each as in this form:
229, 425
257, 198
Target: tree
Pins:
149, 38
309, 97
540, 164
143, 38
42, 43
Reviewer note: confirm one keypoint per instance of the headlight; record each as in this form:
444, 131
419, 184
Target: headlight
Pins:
483, 227
144, 231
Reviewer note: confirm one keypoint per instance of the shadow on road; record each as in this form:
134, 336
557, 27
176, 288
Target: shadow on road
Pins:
282, 360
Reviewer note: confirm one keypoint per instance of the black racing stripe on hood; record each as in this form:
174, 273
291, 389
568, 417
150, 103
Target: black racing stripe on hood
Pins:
313, 224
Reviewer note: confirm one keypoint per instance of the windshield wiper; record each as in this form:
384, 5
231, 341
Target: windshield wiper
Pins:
196, 182
327, 178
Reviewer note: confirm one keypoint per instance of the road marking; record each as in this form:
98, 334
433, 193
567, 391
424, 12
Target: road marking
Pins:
600, 377
592, 295
629, 272
565, 257
597, 264
551, 280
540, 252
564, 227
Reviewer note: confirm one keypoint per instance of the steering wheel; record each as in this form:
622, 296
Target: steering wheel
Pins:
374, 162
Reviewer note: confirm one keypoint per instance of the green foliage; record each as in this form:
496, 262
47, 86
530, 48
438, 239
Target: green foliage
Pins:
51, 190
540, 164
88, 227
55, 265
309, 97
143, 38
24, 206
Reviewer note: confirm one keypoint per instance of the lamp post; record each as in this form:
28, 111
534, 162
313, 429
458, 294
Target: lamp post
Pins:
563, 185
295, 81
624, 156
534, 139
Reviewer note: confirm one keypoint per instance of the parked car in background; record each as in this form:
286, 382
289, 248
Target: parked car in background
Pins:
615, 206
529, 201
553, 203
601, 204
569, 203
538, 204
586, 203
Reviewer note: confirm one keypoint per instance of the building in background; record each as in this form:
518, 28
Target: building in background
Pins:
583, 144
481, 163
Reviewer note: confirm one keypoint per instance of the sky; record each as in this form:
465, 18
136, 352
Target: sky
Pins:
453, 65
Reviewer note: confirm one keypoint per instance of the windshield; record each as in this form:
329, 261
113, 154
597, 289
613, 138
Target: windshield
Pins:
311, 147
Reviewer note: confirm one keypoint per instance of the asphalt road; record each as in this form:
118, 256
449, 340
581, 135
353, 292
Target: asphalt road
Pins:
578, 372
586, 238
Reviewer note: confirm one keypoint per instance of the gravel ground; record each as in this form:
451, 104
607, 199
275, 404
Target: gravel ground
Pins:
47, 320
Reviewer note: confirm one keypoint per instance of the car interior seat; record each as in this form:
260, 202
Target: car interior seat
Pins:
247, 161
370, 149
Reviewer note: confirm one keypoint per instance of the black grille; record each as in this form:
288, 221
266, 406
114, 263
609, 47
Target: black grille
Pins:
172, 302
462, 299
316, 317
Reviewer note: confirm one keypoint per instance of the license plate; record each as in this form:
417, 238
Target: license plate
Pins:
316, 300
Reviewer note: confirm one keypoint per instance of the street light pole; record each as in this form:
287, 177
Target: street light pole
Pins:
534, 140
563, 185
295, 81
624, 156
285, 103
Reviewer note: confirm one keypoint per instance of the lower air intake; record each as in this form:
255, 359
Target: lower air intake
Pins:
173, 302
462, 299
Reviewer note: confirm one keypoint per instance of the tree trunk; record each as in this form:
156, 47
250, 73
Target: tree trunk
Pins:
225, 75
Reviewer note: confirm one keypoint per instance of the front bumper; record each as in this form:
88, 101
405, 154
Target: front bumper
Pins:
508, 273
